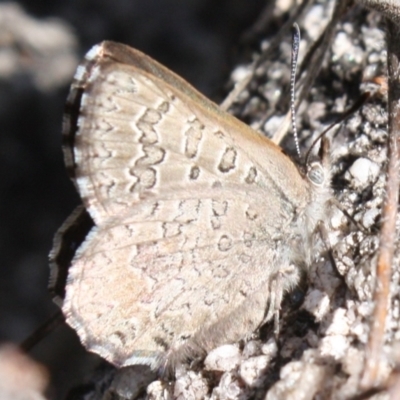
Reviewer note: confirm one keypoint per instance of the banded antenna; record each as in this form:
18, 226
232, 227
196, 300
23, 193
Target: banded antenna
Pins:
295, 55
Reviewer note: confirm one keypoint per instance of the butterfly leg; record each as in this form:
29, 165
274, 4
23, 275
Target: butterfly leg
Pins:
283, 281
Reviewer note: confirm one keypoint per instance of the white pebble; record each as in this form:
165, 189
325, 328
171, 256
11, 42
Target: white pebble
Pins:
317, 304
223, 358
363, 170
253, 368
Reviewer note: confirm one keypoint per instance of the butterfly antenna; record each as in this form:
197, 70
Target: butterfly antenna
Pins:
295, 55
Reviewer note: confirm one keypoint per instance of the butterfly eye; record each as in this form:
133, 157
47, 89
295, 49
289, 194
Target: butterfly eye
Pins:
316, 174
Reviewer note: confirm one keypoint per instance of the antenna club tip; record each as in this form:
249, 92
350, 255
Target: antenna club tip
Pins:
296, 28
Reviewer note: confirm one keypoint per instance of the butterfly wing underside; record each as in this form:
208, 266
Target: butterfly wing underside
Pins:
186, 202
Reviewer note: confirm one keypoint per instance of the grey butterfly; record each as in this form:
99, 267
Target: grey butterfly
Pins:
201, 224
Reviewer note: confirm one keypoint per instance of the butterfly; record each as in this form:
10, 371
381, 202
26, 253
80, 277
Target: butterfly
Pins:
199, 223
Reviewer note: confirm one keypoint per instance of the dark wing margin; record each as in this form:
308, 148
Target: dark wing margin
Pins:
67, 239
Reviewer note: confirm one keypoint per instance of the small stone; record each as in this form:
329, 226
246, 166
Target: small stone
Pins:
252, 369
369, 217
317, 304
334, 346
363, 171
270, 348
157, 391
190, 386
299, 380
251, 349
339, 324
223, 358
229, 388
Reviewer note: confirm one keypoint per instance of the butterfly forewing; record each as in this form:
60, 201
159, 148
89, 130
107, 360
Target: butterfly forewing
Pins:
137, 135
